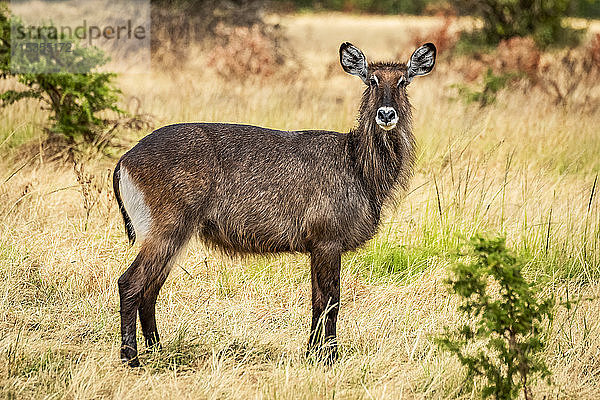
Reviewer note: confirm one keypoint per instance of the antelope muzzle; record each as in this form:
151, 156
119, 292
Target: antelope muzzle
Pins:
386, 118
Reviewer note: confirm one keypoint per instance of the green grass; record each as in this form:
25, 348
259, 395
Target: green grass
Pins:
383, 260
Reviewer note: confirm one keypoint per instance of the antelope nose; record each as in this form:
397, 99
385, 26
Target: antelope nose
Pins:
386, 114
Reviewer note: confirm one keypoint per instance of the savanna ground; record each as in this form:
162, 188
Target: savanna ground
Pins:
522, 167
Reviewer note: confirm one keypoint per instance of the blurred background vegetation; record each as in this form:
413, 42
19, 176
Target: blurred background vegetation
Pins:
579, 8
504, 41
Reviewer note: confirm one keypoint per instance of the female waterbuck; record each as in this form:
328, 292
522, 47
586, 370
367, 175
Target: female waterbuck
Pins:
250, 190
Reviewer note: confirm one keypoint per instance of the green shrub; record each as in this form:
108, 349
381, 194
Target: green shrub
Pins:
75, 100
504, 339
503, 19
586, 8
580, 8
4, 40
372, 6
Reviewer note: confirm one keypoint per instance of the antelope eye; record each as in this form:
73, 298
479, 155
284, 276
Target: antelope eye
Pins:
373, 81
402, 81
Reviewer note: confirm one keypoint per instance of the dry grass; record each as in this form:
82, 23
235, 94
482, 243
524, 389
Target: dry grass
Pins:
238, 329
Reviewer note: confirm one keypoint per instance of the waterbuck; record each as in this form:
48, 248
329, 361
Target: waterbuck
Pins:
250, 190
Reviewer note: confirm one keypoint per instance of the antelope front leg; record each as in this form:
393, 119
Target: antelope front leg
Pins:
325, 278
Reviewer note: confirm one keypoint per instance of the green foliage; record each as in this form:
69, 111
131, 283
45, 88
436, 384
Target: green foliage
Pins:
580, 8
372, 6
540, 19
503, 342
74, 99
473, 43
586, 8
492, 84
4, 39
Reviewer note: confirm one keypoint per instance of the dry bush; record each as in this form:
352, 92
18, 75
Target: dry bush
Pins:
571, 77
472, 68
593, 51
95, 188
519, 55
244, 52
566, 79
574, 72
444, 37
137, 119
440, 9
177, 25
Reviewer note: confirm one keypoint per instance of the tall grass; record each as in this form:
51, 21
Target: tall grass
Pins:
238, 328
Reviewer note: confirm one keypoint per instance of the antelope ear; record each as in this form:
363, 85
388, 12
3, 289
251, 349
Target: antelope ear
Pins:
421, 62
354, 61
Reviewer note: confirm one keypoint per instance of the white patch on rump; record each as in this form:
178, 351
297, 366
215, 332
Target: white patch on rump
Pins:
135, 206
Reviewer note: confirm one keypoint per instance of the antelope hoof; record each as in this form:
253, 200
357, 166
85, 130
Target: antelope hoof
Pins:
129, 356
326, 354
153, 342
